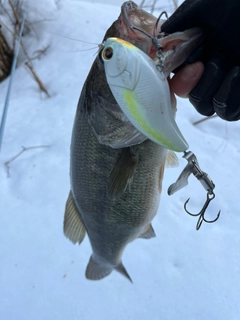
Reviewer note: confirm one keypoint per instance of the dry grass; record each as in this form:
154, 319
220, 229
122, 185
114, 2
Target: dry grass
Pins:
6, 52
6, 57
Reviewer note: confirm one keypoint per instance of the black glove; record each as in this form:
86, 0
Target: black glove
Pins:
219, 88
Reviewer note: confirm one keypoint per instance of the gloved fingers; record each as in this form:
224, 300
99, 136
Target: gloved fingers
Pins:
194, 13
226, 101
198, 55
181, 19
202, 95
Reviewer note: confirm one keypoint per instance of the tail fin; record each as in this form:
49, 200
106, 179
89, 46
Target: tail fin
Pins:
121, 269
96, 271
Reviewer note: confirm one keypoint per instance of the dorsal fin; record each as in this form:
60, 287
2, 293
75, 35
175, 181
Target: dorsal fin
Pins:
122, 174
73, 226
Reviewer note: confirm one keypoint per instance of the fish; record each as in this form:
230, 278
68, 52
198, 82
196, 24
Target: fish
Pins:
116, 172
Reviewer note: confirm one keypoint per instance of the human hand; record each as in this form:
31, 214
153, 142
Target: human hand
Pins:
219, 88
186, 79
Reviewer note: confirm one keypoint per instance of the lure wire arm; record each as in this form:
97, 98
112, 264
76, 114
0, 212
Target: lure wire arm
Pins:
155, 39
193, 168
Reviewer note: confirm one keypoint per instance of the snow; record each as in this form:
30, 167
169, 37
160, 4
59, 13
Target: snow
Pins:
180, 274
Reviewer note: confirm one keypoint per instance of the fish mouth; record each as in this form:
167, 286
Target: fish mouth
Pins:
138, 27
133, 16
178, 46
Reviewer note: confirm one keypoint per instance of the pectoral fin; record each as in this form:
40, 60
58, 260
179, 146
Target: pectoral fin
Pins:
74, 228
122, 174
160, 177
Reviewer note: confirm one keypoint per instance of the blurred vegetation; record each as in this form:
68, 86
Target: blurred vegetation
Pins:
6, 57
11, 11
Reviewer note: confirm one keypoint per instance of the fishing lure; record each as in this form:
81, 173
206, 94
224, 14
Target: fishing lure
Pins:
142, 92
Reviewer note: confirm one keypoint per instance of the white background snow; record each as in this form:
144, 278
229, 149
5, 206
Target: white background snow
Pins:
182, 274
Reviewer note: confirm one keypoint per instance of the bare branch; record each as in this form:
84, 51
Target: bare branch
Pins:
204, 119
39, 53
153, 6
19, 154
14, 12
175, 4
36, 78
7, 13
142, 3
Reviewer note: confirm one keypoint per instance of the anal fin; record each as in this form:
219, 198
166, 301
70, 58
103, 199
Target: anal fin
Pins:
73, 226
148, 233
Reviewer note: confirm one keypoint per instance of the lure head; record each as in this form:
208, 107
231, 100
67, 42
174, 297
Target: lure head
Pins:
121, 67
142, 92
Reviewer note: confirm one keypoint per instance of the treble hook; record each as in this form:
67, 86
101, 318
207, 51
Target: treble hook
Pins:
193, 168
210, 197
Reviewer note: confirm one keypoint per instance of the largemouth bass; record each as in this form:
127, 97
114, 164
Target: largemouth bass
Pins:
116, 172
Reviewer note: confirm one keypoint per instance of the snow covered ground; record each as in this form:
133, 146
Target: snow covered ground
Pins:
181, 274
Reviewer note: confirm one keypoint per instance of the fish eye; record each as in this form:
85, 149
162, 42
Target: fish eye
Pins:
107, 53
